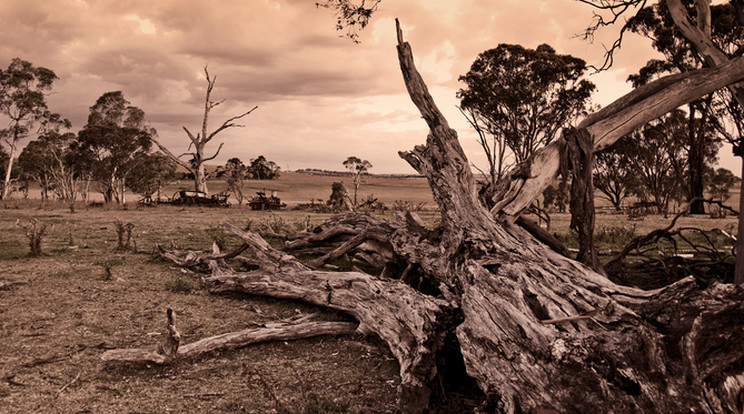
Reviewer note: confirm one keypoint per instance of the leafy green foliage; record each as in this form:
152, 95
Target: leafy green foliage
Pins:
263, 169
234, 173
556, 197
153, 173
358, 168
720, 183
338, 194
614, 172
51, 163
660, 161
350, 16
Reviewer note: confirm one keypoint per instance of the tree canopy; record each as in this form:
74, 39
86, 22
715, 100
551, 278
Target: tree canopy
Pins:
23, 89
113, 141
523, 98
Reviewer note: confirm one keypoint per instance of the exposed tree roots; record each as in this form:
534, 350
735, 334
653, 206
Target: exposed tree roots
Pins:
536, 330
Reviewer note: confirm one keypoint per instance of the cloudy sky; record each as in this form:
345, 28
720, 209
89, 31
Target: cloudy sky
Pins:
321, 97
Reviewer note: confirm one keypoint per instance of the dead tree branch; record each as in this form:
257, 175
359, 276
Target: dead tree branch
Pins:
169, 350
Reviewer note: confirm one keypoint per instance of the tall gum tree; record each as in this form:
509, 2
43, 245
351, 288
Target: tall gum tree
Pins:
522, 98
112, 143
23, 89
195, 164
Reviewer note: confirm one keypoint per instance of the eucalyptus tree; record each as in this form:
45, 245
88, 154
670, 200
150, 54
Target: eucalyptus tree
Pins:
113, 142
234, 173
23, 90
614, 172
680, 55
522, 98
263, 169
358, 168
153, 172
659, 160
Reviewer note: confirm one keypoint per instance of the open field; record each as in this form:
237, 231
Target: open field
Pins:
63, 310
60, 311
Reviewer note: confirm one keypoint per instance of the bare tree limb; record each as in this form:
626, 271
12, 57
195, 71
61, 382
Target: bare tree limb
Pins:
527, 181
230, 124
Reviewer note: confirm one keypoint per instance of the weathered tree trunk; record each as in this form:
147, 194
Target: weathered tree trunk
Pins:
580, 158
541, 331
411, 323
9, 165
170, 348
536, 330
201, 139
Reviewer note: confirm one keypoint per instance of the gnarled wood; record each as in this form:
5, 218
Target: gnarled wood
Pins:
508, 286
526, 182
285, 331
408, 321
536, 330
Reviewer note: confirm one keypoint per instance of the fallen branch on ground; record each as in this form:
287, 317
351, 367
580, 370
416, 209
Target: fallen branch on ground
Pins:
269, 332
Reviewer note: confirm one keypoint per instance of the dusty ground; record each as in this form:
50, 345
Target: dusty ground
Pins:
61, 311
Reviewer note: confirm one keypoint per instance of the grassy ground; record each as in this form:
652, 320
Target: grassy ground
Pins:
83, 296
66, 309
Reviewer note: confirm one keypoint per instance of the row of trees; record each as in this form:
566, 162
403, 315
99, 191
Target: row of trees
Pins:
518, 100
235, 172
653, 165
112, 148
112, 152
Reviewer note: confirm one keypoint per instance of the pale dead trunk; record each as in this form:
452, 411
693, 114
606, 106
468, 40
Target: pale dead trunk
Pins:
200, 179
11, 156
537, 331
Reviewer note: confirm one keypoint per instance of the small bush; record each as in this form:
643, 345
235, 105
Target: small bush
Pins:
35, 231
124, 234
107, 265
180, 285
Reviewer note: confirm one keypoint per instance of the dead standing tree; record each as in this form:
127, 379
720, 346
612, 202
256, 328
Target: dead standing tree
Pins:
535, 329
196, 164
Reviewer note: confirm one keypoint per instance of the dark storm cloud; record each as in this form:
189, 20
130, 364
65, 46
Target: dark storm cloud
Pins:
325, 96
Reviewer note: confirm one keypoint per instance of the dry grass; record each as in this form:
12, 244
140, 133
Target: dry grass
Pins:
61, 310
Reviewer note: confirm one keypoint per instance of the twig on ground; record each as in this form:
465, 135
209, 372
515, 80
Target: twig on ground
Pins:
69, 384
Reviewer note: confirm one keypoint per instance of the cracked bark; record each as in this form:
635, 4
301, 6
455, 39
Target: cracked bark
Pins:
536, 330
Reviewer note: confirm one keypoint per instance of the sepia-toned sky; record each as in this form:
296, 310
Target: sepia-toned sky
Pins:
321, 97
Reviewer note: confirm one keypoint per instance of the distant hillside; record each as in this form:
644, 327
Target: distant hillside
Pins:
328, 173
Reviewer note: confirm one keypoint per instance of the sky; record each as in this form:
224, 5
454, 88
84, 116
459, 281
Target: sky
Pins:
321, 97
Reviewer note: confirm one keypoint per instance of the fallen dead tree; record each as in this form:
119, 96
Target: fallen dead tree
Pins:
410, 322
536, 330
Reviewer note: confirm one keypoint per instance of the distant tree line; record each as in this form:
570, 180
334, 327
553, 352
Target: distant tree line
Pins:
235, 173
518, 99
112, 152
